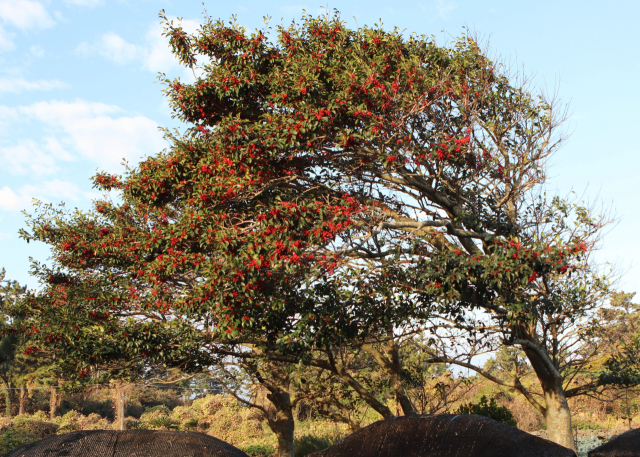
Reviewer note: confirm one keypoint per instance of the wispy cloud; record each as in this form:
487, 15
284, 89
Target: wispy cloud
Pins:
6, 40
36, 51
445, 7
30, 157
158, 56
49, 191
11, 201
90, 3
17, 85
25, 14
96, 131
113, 47
154, 52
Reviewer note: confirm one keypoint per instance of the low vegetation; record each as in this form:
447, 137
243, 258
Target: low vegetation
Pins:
225, 418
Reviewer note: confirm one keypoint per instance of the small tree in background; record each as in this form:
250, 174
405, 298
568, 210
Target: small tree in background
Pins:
489, 409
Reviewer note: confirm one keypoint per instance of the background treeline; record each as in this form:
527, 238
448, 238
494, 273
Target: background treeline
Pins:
193, 405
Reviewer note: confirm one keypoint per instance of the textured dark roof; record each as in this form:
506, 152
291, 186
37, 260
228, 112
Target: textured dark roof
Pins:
445, 435
624, 445
128, 443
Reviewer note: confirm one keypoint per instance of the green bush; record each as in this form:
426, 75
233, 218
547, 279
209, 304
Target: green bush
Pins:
162, 422
309, 444
132, 424
156, 411
489, 409
190, 423
12, 437
260, 450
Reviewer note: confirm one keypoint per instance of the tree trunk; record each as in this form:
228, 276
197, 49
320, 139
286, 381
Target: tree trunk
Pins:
367, 396
396, 379
120, 406
8, 402
22, 400
558, 418
54, 401
282, 425
557, 414
392, 366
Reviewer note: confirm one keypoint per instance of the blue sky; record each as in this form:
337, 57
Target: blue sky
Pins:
77, 92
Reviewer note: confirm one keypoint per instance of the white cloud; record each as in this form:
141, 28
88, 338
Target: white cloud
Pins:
25, 14
444, 7
60, 113
84, 49
29, 157
6, 40
59, 17
53, 190
36, 51
116, 49
95, 134
17, 85
108, 141
155, 54
11, 201
158, 56
50, 191
90, 3
113, 47
5, 236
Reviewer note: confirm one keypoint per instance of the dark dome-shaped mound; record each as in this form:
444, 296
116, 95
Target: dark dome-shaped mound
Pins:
445, 435
626, 444
128, 443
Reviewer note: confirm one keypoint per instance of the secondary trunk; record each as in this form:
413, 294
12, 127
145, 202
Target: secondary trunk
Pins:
391, 365
283, 424
557, 414
368, 397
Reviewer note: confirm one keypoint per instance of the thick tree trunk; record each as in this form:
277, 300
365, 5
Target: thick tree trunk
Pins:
557, 414
283, 424
558, 418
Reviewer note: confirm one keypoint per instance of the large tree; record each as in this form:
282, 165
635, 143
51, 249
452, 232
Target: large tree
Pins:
323, 179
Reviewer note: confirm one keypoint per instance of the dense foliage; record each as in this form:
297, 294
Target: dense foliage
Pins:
331, 148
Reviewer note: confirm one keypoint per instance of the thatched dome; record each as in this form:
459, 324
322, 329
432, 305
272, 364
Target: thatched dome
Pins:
128, 443
445, 435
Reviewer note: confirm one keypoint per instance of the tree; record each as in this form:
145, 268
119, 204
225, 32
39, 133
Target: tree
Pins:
10, 293
322, 180
550, 314
22, 366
